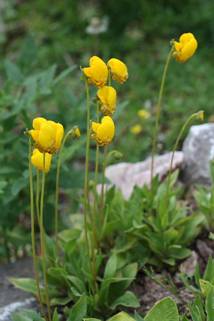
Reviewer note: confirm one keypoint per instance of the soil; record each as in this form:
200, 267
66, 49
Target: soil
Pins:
149, 290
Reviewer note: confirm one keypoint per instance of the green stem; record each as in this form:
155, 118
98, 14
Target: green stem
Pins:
59, 161
158, 112
42, 240
103, 181
35, 262
187, 122
86, 182
37, 192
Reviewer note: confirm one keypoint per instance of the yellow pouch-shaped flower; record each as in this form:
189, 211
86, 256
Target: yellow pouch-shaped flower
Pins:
103, 132
97, 73
118, 70
47, 135
37, 159
185, 48
107, 96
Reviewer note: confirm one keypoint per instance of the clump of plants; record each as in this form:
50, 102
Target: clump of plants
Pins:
86, 270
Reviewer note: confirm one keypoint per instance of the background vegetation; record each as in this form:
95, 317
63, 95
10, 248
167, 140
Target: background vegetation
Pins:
42, 45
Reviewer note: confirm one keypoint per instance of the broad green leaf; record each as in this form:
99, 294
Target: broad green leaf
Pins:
210, 305
195, 312
121, 316
111, 267
27, 315
205, 286
55, 316
79, 310
128, 299
165, 309
25, 284
209, 272
60, 301
13, 72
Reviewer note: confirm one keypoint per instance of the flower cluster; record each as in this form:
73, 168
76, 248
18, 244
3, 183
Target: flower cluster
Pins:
98, 73
47, 136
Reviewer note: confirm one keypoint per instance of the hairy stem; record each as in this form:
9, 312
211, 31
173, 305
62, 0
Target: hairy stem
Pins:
158, 112
35, 261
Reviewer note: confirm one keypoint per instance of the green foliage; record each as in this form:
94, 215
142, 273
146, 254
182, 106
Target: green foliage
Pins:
69, 283
19, 98
165, 308
205, 201
155, 222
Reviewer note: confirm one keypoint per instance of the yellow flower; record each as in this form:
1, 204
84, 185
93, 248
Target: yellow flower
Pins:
136, 129
97, 73
103, 132
144, 114
47, 135
107, 96
118, 70
41, 161
185, 48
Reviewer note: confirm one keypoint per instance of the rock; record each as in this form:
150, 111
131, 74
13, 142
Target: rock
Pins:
7, 311
198, 150
189, 265
204, 250
12, 299
127, 175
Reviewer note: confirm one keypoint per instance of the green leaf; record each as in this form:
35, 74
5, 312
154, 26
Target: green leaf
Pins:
64, 74
205, 286
27, 315
79, 310
111, 267
128, 299
13, 72
122, 316
55, 316
209, 272
210, 305
25, 284
165, 309
60, 301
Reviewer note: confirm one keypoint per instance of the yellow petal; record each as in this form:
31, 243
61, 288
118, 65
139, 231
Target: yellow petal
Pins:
108, 97
118, 70
46, 138
41, 161
105, 132
97, 73
38, 121
34, 134
59, 135
185, 48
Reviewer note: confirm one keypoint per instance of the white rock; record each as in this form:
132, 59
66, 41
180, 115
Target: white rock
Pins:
198, 149
127, 175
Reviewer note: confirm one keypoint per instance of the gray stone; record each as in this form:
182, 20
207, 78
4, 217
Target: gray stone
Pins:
7, 311
198, 149
12, 299
127, 175
189, 265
